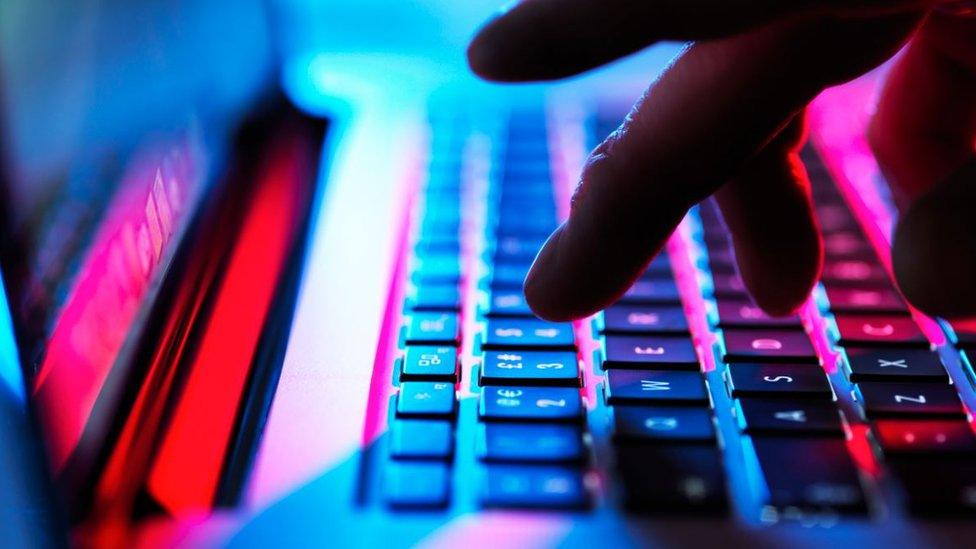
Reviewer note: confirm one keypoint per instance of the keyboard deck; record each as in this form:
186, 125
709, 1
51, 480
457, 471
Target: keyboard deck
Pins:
683, 397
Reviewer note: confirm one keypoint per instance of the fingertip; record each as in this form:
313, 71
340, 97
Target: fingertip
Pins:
781, 289
567, 281
537, 291
483, 54
783, 305
934, 248
545, 285
502, 49
769, 212
918, 262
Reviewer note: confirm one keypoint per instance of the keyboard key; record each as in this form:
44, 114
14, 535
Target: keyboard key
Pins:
768, 346
435, 297
643, 319
835, 217
655, 387
527, 332
430, 363
776, 416
442, 207
534, 221
810, 474
533, 204
437, 246
741, 313
517, 249
507, 302
865, 364
876, 330
729, 285
442, 213
530, 368
847, 245
663, 424
721, 266
855, 273
908, 399
865, 300
417, 484
432, 328
778, 380
652, 291
659, 266
509, 275
657, 352
716, 241
924, 438
425, 398
440, 227
530, 443
948, 489
421, 438
721, 254
443, 269
672, 478
530, 404
533, 487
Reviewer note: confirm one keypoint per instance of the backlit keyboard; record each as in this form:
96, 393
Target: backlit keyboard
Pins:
683, 397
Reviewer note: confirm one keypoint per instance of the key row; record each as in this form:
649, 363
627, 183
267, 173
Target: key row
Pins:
783, 402
421, 433
665, 440
902, 387
531, 414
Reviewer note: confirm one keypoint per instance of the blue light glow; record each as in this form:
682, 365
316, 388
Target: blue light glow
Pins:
11, 378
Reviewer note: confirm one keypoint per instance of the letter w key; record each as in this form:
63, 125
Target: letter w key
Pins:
654, 385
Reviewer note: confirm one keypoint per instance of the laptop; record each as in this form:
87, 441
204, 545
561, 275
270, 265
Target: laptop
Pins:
263, 263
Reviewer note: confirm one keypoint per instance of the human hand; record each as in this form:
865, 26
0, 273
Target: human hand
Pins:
727, 118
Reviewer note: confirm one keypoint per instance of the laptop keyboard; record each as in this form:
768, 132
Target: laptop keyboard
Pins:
683, 397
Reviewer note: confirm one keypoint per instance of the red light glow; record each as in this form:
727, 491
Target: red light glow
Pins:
114, 281
189, 462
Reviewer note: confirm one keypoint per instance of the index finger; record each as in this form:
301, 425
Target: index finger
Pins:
718, 105
545, 39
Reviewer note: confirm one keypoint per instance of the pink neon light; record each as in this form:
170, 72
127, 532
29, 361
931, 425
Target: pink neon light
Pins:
681, 254
499, 529
190, 457
124, 258
211, 529
840, 139
375, 423
474, 182
307, 400
857, 444
567, 151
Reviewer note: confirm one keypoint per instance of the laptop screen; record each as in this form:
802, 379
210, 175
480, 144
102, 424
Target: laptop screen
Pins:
114, 116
